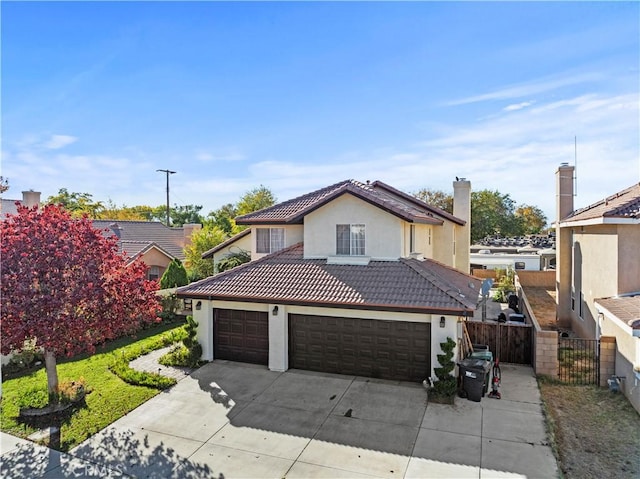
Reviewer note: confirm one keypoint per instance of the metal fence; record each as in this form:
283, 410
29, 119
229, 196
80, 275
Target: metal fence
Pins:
579, 361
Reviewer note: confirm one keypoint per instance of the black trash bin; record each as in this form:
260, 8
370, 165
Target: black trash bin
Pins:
474, 374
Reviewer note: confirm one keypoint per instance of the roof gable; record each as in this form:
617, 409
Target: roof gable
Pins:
138, 235
378, 194
286, 277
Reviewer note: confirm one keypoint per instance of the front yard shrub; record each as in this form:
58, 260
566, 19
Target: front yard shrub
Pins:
120, 363
187, 354
444, 390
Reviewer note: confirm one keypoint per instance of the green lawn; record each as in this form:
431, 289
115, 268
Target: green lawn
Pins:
109, 399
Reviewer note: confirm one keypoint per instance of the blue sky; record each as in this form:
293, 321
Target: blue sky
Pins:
297, 96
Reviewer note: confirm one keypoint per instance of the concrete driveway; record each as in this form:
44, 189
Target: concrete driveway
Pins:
231, 420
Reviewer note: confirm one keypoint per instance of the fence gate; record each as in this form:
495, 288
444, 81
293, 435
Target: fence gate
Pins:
511, 343
579, 361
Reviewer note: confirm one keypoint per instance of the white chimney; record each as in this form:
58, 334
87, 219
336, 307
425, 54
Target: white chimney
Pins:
31, 198
462, 210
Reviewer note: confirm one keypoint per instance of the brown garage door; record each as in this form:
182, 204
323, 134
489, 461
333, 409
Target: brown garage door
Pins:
381, 349
241, 336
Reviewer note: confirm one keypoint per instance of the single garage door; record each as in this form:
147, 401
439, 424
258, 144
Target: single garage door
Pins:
380, 349
241, 336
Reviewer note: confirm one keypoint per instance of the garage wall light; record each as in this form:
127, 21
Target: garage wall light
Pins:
275, 311
442, 321
199, 305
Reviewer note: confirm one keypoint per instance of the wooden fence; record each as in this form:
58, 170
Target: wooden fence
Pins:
511, 343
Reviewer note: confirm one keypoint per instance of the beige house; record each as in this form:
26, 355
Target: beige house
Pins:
598, 272
153, 242
355, 278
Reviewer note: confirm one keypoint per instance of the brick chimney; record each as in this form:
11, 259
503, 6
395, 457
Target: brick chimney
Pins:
564, 248
188, 230
462, 210
31, 198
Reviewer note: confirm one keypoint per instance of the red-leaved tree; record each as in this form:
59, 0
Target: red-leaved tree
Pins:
64, 284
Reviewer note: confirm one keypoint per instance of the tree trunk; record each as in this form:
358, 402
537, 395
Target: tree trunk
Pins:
52, 375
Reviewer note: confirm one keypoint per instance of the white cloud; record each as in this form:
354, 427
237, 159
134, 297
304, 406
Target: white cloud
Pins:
59, 141
529, 88
518, 106
228, 155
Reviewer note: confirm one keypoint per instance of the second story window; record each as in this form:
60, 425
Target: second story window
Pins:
269, 240
350, 240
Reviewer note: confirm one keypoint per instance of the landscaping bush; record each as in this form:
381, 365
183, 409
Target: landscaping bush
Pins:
187, 354
444, 390
120, 365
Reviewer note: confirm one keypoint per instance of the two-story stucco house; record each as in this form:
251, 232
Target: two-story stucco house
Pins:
355, 278
598, 272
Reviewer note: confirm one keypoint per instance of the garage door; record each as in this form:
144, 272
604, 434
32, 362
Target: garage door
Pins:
241, 336
381, 349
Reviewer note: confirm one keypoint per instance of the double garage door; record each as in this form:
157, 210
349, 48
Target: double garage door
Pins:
380, 349
395, 350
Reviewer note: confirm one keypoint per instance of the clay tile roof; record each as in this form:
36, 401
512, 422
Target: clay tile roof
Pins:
624, 204
625, 308
286, 277
377, 193
136, 236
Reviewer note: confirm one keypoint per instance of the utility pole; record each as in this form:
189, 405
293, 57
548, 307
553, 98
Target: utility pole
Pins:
168, 172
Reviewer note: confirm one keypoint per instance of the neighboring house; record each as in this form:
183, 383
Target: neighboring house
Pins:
354, 278
156, 244
9, 207
598, 270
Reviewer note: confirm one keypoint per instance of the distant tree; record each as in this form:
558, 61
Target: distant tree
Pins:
492, 213
223, 218
437, 198
532, 219
174, 276
126, 213
78, 204
202, 241
4, 184
64, 285
182, 215
254, 200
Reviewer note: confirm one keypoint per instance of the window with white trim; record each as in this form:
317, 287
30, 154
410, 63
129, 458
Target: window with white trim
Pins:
269, 240
412, 238
350, 240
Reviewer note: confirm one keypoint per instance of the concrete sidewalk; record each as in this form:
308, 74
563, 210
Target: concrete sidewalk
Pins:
237, 420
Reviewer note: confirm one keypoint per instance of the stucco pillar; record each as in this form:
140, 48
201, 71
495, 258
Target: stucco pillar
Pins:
278, 338
203, 315
564, 207
462, 210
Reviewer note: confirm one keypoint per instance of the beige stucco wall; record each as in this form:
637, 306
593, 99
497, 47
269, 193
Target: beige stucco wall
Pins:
595, 273
384, 233
423, 240
628, 258
443, 238
243, 243
627, 356
292, 234
278, 326
153, 257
